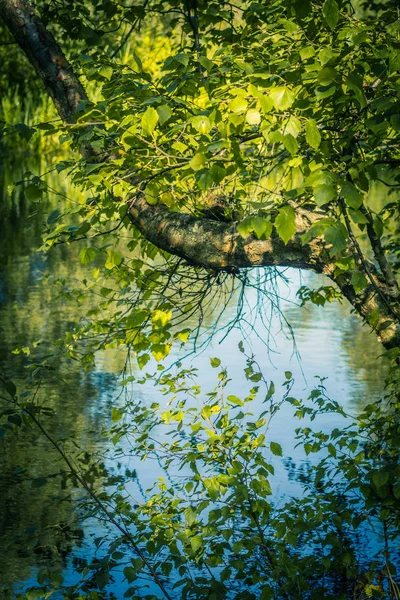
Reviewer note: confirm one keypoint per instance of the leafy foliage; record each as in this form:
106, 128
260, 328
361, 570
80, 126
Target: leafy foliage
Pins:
249, 113
211, 527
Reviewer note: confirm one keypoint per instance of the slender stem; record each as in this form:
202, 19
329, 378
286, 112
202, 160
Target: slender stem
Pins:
96, 500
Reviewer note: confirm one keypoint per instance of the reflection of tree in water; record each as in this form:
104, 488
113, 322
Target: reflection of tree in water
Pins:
342, 333
37, 523
29, 312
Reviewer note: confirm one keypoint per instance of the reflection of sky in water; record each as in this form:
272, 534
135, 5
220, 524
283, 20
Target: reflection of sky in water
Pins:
331, 342
324, 338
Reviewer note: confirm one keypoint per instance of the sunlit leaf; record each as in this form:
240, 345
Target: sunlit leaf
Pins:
87, 255
285, 223
149, 120
282, 97
313, 135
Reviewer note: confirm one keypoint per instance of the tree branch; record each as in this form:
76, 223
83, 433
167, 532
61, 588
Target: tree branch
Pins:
45, 55
202, 242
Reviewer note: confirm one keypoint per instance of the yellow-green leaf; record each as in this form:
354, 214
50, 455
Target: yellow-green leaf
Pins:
238, 105
197, 161
113, 259
87, 255
106, 71
282, 97
201, 123
150, 119
313, 135
160, 318
285, 223
253, 117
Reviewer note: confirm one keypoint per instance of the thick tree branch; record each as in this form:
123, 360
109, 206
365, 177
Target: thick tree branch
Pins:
202, 242
216, 245
45, 55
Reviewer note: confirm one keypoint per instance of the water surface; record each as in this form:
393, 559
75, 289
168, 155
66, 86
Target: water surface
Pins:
330, 342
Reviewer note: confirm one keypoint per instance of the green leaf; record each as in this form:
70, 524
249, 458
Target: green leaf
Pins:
87, 255
149, 120
396, 490
285, 223
313, 135
290, 143
282, 97
327, 75
33, 192
378, 226
197, 161
245, 227
138, 61
201, 123
330, 11
217, 173
380, 478
106, 71
196, 543
306, 52
235, 401
353, 197
355, 84
206, 63
276, 448
102, 578
359, 282
320, 177
142, 360
151, 193
215, 362
164, 113
204, 179
337, 236
113, 259
358, 217
160, 351
10, 388
24, 131
262, 227
324, 194
38, 482
130, 574
116, 415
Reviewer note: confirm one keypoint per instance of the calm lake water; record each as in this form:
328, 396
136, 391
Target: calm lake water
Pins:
331, 342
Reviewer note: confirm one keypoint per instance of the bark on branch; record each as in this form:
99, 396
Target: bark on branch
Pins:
202, 242
45, 55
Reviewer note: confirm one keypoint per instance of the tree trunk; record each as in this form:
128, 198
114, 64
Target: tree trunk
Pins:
204, 242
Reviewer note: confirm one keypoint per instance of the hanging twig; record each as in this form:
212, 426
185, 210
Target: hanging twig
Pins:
94, 497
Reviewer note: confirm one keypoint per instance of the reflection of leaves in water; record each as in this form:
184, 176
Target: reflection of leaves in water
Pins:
343, 333
34, 497
28, 313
